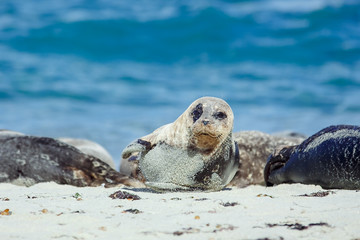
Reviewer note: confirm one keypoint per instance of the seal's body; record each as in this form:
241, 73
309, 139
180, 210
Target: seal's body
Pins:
26, 160
197, 151
329, 158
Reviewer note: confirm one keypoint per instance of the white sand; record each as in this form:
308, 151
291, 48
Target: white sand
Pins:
49, 211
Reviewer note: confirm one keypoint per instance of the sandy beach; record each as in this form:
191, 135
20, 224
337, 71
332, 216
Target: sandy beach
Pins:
52, 211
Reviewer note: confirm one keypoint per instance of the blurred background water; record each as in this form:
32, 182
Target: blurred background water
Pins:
112, 71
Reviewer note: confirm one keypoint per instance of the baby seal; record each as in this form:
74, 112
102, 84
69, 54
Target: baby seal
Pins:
197, 151
329, 158
26, 160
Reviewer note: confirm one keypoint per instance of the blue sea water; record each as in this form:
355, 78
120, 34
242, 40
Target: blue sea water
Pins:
112, 71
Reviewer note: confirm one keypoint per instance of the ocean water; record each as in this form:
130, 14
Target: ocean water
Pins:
112, 71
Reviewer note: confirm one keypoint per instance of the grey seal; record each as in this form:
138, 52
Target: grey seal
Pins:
196, 151
84, 145
330, 158
26, 160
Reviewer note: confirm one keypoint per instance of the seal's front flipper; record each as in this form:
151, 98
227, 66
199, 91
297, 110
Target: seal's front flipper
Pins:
131, 156
137, 146
275, 166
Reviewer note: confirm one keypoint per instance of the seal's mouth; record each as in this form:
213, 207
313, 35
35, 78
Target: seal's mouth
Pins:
205, 141
212, 135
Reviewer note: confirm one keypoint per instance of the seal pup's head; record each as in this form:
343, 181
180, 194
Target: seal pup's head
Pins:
209, 122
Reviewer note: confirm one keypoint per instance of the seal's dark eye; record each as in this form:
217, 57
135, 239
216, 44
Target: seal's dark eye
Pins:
197, 112
220, 115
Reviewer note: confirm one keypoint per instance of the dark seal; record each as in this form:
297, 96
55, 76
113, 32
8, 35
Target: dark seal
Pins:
26, 160
329, 158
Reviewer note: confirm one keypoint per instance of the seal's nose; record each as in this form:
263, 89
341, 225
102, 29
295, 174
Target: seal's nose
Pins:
205, 122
